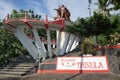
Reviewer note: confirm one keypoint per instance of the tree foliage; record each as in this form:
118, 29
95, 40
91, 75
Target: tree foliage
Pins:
100, 24
103, 7
116, 4
21, 13
1, 23
10, 47
79, 27
96, 25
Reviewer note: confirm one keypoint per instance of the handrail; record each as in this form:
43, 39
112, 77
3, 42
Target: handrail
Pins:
19, 16
28, 17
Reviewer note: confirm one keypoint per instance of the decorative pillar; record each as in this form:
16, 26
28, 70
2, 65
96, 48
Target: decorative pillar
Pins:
48, 38
26, 42
58, 43
70, 43
39, 44
65, 42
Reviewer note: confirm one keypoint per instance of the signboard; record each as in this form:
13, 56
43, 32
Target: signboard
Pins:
84, 64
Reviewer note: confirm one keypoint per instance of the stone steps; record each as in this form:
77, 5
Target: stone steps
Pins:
19, 70
12, 73
14, 70
22, 64
18, 67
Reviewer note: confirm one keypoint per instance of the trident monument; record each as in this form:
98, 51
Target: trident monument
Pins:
65, 41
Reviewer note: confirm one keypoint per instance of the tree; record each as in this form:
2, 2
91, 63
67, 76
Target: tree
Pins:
1, 23
101, 24
109, 36
10, 47
92, 26
116, 4
115, 23
103, 7
78, 28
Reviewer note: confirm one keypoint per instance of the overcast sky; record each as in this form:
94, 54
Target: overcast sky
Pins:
78, 8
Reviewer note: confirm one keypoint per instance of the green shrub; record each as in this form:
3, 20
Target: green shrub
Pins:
103, 40
86, 46
114, 38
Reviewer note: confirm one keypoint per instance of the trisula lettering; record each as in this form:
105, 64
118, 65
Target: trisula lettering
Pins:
90, 65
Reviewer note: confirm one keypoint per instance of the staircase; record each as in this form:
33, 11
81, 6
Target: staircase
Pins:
20, 66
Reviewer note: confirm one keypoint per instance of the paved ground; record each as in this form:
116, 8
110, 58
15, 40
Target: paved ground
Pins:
88, 76
72, 77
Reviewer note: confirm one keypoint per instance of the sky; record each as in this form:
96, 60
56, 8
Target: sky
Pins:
77, 8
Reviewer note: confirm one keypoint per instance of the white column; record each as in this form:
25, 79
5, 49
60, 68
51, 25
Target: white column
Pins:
75, 43
70, 43
26, 42
49, 43
64, 46
58, 43
39, 43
